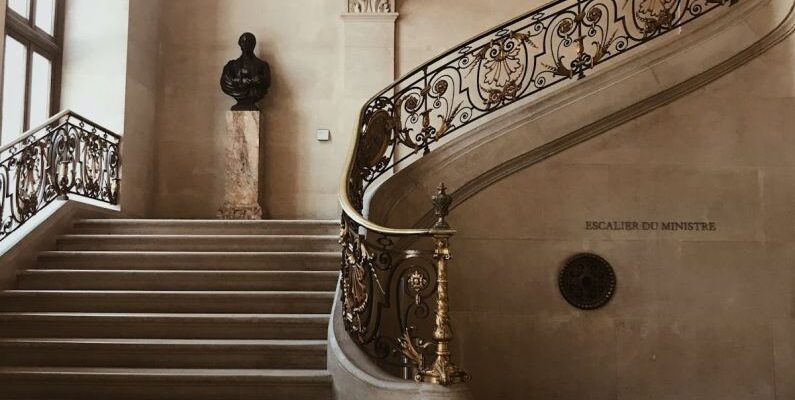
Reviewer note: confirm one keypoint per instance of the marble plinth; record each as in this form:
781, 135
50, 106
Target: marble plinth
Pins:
241, 195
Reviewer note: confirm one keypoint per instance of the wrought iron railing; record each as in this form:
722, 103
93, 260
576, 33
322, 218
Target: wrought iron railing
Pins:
66, 155
387, 289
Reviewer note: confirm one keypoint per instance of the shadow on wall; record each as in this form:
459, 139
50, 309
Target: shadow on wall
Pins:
189, 139
277, 169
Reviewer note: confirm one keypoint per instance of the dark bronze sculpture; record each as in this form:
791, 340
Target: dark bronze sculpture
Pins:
248, 78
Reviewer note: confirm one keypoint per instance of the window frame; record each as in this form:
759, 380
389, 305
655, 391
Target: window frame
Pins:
25, 31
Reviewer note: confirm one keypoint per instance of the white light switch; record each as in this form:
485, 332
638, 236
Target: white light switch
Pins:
323, 135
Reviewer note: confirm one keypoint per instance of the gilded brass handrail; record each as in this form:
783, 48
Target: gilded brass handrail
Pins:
557, 42
67, 154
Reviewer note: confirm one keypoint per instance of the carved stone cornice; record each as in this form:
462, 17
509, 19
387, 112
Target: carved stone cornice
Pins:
371, 6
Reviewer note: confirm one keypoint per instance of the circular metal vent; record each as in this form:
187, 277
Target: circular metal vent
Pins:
587, 281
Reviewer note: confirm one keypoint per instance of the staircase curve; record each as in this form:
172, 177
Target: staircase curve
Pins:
506, 99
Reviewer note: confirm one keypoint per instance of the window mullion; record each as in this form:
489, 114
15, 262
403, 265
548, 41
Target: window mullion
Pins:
20, 27
28, 76
32, 18
26, 32
55, 93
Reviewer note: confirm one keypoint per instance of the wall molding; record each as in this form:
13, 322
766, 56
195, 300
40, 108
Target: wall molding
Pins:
383, 17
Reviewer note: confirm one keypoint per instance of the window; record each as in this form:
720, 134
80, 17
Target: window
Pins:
31, 65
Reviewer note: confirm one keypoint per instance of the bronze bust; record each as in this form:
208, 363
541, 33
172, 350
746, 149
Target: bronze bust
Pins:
248, 78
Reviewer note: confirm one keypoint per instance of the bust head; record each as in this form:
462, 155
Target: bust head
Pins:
246, 78
247, 42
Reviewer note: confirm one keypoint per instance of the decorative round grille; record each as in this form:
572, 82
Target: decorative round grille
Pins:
587, 281
375, 141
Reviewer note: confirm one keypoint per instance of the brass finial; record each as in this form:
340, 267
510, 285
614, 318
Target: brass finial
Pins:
442, 371
441, 206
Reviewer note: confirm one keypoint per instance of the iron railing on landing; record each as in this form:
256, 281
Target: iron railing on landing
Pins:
395, 299
66, 155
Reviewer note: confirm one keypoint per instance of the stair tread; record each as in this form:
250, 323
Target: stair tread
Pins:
168, 236
192, 253
210, 221
274, 293
193, 242
179, 272
183, 281
190, 259
166, 372
163, 316
158, 325
279, 343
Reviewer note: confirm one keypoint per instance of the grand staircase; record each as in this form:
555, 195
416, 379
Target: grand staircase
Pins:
154, 309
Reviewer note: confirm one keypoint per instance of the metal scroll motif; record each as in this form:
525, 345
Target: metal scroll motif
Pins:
587, 281
394, 296
560, 42
68, 156
379, 280
388, 302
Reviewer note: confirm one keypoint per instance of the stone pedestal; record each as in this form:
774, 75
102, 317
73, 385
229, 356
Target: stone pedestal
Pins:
241, 199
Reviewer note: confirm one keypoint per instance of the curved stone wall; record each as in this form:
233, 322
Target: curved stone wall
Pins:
356, 377
700, 131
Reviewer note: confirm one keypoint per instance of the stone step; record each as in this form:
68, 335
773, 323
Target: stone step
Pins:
205, 227
163, 326
163, 353
203, 243
155, 384
274, 302
253, 261
177, 280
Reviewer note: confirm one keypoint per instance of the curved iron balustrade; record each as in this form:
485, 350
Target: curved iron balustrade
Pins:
68, 154
387, 290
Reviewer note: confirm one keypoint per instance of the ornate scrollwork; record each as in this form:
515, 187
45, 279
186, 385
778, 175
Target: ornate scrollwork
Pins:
70, 155
417, 282
30, 170
563, 40
388, 291
413, 349
376, 276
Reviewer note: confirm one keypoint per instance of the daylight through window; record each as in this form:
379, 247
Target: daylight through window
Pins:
31, 66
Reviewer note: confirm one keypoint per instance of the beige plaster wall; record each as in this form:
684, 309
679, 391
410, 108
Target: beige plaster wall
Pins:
302, 40
697, 315
141, 88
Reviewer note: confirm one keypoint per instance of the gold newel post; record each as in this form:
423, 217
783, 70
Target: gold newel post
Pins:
443, 371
